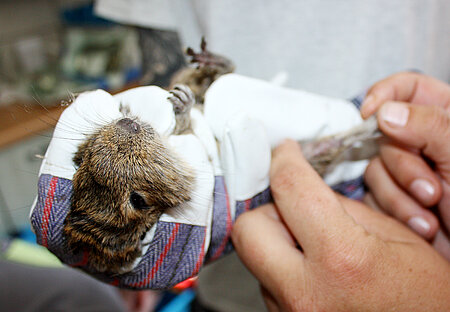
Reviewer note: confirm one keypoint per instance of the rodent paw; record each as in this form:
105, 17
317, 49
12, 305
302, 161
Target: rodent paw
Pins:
182, 98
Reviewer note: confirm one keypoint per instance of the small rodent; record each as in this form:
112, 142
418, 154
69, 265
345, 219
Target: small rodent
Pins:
127, 177
207, 68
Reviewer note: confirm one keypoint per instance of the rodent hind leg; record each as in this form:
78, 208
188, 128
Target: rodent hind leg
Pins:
216, 64
182, 99
356, 143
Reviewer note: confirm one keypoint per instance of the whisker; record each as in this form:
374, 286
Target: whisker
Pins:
20, 208
27, 172
70, 139
49, 119
35, 93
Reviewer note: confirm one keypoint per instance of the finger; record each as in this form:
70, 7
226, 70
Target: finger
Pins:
444, 208
407, 87
392, 200
426, 128
269, 300
412, 174
370, 201
376, 222
307, 205
267, 249
441, 243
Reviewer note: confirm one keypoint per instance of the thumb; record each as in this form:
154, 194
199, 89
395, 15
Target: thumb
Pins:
426, 128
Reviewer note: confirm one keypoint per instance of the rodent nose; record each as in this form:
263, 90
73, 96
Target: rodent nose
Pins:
129, 125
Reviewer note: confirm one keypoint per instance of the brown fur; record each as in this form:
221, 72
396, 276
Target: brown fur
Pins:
115, 164
125, 158
209, 67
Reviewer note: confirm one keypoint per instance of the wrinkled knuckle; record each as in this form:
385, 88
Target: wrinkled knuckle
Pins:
439, 121
352, 265
438, 133
342, 263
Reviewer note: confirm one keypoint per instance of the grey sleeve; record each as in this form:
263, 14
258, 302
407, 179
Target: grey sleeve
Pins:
29, 288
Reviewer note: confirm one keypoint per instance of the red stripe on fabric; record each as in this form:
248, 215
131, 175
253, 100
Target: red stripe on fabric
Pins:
47, 209
247, 204
201, 257
228, 233
115, 282
160, 260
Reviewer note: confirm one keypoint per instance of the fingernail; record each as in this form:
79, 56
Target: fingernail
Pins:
396, 114
422, 189
419, 225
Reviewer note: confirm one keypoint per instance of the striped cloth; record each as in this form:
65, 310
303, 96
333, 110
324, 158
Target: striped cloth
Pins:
177, 250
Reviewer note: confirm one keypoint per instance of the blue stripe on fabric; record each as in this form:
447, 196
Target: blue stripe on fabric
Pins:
219, 220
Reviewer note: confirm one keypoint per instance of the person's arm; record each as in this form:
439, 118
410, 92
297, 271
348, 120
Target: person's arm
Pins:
410, 179
351, 258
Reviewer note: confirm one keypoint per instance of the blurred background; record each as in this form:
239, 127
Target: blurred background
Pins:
49, 52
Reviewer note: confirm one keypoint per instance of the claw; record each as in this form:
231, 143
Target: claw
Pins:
207, 59
182, 99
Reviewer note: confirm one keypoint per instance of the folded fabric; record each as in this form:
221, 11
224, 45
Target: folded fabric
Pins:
247, 117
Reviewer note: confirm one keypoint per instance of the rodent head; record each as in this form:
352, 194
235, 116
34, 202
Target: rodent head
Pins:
126, 179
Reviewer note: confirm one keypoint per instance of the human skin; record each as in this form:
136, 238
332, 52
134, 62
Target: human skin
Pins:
410, 179
352, 258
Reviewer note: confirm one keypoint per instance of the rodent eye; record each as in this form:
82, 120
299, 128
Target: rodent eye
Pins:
137, 201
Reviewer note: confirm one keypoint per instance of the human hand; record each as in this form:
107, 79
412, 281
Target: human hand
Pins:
414, 113
353, 258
